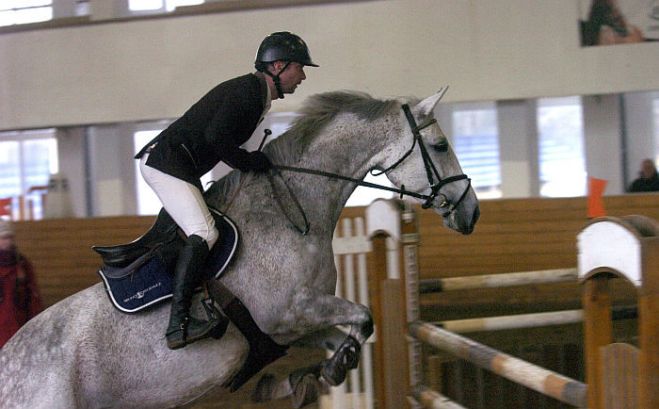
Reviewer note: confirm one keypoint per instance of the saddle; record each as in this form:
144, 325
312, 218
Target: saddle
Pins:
139, 274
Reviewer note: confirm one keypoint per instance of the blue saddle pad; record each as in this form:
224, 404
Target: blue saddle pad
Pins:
149, 280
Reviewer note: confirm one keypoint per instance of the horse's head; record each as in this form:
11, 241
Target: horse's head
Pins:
422, 161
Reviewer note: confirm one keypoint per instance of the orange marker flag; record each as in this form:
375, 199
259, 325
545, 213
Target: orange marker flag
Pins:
595, 203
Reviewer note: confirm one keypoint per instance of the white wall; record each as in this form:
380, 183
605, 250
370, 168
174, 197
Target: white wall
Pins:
151, 69
518, 148
603, 140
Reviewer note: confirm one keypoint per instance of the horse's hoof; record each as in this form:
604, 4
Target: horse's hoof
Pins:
264, 388
306, 391
333, 373
352, 349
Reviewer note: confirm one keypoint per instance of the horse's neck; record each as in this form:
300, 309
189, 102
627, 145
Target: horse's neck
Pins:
344, 149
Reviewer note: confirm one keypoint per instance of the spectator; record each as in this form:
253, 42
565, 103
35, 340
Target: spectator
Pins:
647, 181
19, 295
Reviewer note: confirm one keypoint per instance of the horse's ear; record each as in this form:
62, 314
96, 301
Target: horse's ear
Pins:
425, 107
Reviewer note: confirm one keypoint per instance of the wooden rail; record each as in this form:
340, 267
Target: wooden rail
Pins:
524, 373
438, 285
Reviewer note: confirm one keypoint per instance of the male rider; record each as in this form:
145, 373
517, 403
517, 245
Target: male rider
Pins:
212, 131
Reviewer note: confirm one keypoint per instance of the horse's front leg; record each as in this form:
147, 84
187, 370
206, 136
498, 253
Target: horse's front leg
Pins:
322, 312
304, 385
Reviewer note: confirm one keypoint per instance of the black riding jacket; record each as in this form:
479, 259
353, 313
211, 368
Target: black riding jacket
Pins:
211, 131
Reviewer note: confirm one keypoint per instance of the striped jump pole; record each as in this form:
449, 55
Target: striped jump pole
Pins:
524, 373
429, 398
535, 320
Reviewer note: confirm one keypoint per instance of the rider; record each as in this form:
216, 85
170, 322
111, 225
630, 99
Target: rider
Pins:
211, 131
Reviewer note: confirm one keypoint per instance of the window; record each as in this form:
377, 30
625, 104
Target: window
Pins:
159, 5
25, 11
363, 196
561, 147
147, 201
476, 143
27, 159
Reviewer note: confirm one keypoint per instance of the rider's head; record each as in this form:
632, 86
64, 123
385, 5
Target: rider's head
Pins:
282, 56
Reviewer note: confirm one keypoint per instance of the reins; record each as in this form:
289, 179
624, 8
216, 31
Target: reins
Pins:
435, 182
402, 191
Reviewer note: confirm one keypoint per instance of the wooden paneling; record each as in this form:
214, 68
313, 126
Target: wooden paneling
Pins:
517, 235
60, 249
512, 235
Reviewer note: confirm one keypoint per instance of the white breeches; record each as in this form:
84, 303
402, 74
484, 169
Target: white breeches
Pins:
183, 201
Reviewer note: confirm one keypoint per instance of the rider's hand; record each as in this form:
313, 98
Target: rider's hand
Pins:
259, 162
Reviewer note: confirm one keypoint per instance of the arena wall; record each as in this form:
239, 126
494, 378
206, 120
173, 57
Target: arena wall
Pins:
511, 235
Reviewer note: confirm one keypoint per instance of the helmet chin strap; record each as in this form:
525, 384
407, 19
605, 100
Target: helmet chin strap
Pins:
276, 80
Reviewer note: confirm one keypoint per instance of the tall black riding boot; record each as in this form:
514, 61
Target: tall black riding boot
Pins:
184, 329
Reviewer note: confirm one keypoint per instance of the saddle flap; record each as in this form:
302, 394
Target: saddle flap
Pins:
148, 279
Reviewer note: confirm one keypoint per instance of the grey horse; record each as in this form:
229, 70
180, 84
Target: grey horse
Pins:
83, 353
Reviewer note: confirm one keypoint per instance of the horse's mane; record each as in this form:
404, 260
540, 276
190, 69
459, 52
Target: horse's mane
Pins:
318, 111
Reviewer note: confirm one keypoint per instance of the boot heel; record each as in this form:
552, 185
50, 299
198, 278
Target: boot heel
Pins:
214, 314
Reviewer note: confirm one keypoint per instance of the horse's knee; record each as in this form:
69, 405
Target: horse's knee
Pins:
363, 326
366, 326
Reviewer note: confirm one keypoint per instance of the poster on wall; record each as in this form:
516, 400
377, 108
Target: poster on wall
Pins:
609, 22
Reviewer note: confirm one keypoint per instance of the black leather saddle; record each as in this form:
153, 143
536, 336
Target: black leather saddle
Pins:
139, 274
164, 229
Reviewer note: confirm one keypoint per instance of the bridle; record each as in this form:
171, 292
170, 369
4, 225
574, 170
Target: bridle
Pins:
435, 182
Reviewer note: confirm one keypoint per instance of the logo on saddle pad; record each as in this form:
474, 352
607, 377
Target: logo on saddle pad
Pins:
140, 294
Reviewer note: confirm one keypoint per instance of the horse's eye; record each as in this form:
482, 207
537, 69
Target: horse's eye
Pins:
441, 146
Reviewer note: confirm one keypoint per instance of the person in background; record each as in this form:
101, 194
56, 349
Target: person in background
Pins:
647, 181
19, 294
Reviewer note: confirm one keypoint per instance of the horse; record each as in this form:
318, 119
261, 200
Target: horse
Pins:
83, 353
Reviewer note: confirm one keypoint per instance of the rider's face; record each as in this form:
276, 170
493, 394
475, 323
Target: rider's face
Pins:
291, 77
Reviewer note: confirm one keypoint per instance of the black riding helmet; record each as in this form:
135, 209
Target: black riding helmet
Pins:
282, 46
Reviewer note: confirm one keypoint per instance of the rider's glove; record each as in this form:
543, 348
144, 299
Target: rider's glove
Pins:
259, 162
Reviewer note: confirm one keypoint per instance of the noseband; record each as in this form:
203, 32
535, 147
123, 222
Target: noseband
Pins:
431, 170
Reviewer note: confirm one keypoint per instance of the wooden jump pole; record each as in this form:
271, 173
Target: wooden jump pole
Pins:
519, 321
524, 373
437, 285
429, 398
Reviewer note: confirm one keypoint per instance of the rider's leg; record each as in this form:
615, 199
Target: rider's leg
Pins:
184, 329
185, 204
